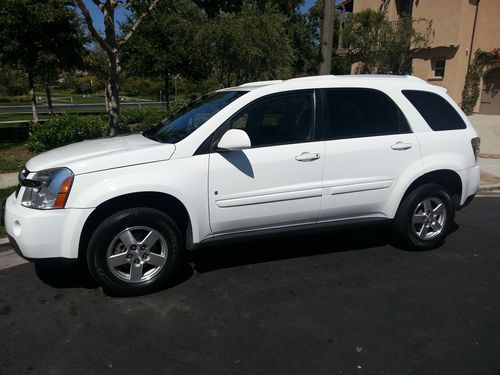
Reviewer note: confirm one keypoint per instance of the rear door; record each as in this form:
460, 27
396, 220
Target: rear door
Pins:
368, 148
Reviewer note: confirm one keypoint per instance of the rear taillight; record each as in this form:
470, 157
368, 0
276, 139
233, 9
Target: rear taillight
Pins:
475, 142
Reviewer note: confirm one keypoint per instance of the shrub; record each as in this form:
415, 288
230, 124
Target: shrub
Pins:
65, 129
70, 128
140, 119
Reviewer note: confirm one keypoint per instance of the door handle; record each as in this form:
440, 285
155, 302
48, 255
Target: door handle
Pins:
401, 146
307, 156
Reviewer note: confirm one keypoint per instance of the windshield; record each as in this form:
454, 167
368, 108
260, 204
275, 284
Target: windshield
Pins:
189, 118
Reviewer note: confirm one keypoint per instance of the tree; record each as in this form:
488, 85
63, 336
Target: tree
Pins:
112, 44
166, 44
250, 45
327, 37
382, 46
65, 51
37, 34
214, 8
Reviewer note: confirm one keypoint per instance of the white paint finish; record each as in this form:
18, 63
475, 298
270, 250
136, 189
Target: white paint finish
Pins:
269, 198
104, 153
264, 186
470, 182
45, 233
352, 187
360, 174
234, 140
185, 179
257, 188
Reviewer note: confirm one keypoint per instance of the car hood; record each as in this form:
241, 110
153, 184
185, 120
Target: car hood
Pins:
103, 153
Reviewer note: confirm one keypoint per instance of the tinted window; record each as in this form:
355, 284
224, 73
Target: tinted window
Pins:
356, 112
438, 113
189, 118
286, 118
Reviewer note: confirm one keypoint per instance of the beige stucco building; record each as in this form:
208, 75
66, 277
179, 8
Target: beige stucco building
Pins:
461, 27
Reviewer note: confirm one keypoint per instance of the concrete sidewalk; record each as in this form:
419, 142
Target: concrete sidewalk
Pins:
8, 180
488, 127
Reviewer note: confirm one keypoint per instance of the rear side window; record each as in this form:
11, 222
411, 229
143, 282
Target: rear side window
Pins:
438, 113
357, 112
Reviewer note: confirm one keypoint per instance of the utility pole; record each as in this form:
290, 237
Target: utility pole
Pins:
325, 65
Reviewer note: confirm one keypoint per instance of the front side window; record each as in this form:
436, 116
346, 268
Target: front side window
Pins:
357, 112
280, 119
189, 118
435, 110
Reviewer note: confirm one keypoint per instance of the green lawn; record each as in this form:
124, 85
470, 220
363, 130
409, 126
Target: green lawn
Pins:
4, 193
62, 98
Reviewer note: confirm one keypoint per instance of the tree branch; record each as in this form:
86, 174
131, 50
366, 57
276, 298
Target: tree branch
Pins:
88, 20
137, 22
99, 4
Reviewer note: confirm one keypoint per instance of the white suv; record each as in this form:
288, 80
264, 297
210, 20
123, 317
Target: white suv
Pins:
257, 158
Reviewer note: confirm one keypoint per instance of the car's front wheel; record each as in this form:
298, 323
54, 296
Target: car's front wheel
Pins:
135, 251
424, 217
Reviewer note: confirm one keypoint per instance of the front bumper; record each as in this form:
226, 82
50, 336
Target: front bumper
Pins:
40, 234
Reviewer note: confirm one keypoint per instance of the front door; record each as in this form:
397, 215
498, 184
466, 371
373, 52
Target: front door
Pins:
277, 182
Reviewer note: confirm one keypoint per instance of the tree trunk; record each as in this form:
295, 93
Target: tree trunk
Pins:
49, 95
167, 89
34, 108
114, 95
325, 65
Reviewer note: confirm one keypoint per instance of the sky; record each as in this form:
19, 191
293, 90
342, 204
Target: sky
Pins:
121, 13
96, 14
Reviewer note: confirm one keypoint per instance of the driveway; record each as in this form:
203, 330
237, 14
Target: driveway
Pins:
338, 303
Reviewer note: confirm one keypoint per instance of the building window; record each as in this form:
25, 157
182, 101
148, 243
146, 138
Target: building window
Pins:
439, 66
404, 8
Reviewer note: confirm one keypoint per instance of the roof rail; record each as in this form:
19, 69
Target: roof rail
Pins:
261, 83
311, 78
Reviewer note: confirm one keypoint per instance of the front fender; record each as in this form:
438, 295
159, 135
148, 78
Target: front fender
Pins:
168, 177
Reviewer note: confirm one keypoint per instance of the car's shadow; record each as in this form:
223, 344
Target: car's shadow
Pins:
241, 252
290, 245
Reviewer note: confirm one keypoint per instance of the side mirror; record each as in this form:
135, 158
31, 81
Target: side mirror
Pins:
234, 140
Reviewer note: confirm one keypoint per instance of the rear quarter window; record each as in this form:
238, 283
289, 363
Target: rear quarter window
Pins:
436, 111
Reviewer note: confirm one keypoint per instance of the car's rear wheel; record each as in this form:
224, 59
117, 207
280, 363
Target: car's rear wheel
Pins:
424, 218
135, 251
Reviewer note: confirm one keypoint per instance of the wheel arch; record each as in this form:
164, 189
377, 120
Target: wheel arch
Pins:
161, 201
447, 178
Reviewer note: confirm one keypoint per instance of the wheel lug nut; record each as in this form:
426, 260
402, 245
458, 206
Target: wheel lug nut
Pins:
145, 256
137, 261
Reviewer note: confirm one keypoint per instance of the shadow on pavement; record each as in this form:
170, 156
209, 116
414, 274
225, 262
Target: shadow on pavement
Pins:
64, 274
291, 245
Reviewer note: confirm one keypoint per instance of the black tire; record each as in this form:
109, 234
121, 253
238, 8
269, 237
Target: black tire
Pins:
412, 235
105, 245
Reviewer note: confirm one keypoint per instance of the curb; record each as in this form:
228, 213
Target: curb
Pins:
4, 244
489, 187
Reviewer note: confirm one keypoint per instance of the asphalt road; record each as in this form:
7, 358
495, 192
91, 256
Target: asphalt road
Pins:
84, 106
337, 303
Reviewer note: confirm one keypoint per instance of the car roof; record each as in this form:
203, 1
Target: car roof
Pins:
358, 80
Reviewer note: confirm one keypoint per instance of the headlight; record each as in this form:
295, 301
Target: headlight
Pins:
47, 189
